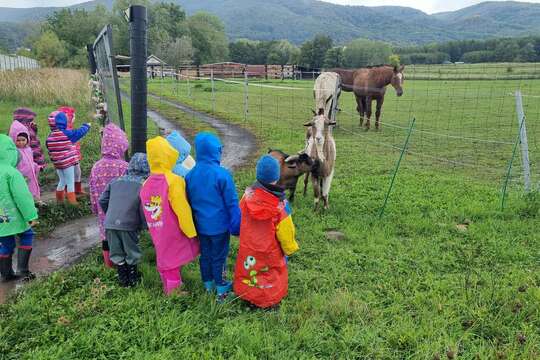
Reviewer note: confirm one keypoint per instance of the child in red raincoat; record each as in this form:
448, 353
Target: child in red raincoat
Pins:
267, 236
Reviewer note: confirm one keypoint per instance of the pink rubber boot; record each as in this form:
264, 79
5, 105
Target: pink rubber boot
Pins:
171, 280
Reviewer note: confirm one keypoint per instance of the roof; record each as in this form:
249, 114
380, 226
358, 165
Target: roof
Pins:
154, 60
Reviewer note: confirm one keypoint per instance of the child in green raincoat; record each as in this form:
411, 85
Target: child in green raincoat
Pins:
17, 214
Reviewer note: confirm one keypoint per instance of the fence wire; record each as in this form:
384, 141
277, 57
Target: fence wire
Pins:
466, 116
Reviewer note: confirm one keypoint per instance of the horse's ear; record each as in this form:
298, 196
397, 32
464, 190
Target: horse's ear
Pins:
401, 68
396, 70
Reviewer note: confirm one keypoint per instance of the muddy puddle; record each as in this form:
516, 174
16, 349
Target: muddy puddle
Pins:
63, 247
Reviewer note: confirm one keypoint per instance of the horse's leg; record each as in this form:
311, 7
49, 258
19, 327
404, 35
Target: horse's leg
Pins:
316, 190
380, 102
360, 108
368, 112
306, 180
326, 183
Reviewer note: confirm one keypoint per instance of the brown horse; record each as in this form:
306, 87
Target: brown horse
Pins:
370, 84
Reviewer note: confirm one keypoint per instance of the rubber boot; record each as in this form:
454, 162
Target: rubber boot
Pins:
223, 291
123, 274
72, 199
60, 197
6, 269
133, 275
107, 259
79, 191
209, 286
23, 258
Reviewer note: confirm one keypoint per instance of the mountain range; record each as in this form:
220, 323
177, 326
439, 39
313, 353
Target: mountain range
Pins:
300, 20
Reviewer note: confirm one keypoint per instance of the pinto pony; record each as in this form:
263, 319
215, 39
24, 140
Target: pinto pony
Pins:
321, 147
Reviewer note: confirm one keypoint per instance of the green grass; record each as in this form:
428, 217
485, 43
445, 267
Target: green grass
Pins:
411, 285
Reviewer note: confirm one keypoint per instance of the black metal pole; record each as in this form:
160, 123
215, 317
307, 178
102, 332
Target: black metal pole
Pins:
91, 59
138, 50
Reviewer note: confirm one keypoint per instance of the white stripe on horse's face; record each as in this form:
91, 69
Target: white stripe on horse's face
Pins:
400, 77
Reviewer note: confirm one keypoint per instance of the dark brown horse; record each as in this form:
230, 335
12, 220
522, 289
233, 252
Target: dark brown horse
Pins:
370, 84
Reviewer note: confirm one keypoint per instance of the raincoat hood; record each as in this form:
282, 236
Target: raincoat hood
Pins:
183, 147
18, 128
161, 155
70, 112
138, 165
8, 151
261, 204
208, 148
24, 115
114, 142
58, 120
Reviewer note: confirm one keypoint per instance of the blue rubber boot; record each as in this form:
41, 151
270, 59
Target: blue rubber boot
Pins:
223, 291
210, 286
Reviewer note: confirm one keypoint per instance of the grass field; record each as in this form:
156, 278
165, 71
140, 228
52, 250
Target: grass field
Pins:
444, 274
487, 71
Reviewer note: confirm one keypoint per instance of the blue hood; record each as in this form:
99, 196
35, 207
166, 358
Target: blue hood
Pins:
180, 144
61, 121
208, 148
138, 165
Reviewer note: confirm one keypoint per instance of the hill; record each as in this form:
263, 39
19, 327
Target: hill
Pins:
299, 20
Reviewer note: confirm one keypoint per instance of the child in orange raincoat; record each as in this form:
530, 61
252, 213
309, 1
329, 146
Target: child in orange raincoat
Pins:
267, 236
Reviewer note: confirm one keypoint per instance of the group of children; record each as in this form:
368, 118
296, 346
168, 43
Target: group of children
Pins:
189, 207
21, 162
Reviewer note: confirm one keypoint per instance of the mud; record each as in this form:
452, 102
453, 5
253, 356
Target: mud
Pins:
238, 143
63, 247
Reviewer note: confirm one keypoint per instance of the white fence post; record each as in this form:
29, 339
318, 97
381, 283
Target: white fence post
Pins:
213, 91
246, 97
523, 142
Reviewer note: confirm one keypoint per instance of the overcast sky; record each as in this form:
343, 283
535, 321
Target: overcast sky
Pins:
429, 6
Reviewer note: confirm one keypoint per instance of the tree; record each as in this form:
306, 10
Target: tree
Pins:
281, 53
313, 52
527, 53
363, 52
244, 51
49, 50
334, 58
394, 59
208, 37
179, 52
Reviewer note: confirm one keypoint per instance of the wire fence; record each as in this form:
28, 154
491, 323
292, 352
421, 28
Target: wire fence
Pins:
9, 62
466, 128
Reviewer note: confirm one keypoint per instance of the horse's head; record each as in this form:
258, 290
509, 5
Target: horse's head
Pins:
397, 79
318, 130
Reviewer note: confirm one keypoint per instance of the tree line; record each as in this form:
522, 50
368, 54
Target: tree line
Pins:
179, 39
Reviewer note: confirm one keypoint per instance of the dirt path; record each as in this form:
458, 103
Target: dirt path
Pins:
238, 143
71, 241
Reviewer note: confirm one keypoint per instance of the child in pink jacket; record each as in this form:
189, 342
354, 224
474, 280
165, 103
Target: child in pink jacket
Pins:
26, 165
168, 214
114, 144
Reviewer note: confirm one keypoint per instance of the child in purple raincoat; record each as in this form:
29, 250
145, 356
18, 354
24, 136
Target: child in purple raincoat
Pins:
114, 144
26, 165
27, 117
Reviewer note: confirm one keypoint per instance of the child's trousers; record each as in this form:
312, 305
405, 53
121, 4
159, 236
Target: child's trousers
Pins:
171, 279
123, 246
7, 243
213, 260
77, 173
67, 178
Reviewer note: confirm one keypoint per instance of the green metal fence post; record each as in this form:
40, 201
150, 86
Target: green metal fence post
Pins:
403, 150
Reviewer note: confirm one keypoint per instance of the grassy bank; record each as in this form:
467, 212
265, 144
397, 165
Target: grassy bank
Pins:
444, 274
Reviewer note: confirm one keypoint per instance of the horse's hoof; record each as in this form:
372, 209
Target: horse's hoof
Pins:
366, 129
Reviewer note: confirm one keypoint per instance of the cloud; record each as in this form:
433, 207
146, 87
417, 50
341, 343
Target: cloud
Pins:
428, 6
